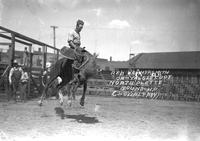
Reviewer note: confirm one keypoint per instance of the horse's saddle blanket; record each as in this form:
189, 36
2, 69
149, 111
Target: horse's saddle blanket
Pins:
72, 53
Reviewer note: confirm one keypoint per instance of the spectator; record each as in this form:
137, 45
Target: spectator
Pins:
23, 84
14, 78
25, 57
46, 72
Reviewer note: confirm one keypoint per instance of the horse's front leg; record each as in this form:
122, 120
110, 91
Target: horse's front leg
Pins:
44, 93
43, 96
82, 101
60, 94
70, 93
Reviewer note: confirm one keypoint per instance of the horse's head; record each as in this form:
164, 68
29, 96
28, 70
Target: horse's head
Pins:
90, 69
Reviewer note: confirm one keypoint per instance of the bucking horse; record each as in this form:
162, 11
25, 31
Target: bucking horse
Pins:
62, 73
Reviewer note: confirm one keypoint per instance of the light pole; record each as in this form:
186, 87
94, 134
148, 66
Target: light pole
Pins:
54, 36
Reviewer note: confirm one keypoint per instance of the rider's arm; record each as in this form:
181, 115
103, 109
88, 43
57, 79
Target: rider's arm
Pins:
72, 39
71, 44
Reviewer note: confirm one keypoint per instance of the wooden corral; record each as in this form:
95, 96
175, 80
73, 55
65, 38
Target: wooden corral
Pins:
11, 37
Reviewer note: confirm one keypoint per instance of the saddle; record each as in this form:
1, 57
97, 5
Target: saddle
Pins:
78, 55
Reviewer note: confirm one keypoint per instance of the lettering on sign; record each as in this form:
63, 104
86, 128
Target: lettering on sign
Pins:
139, 83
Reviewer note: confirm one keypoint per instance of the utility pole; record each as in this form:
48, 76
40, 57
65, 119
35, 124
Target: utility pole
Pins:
131, 54
54, 36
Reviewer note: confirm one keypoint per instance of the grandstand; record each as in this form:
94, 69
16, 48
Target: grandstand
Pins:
184, 67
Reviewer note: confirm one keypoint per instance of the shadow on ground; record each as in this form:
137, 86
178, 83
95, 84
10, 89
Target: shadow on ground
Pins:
80, 118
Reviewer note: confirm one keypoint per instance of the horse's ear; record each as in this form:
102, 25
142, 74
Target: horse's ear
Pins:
95, 55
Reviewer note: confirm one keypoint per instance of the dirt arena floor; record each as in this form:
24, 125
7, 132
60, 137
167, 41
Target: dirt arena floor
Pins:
102, 118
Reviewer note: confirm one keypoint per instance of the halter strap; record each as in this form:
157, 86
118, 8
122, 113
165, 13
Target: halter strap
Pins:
84, 63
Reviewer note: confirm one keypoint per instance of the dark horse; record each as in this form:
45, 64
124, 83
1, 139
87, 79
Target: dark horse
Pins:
62, 71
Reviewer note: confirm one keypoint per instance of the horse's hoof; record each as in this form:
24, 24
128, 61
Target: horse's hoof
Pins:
39, 103
82, 103
69, 103
61, 103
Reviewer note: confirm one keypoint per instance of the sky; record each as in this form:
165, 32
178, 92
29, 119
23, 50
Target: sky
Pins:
113, 28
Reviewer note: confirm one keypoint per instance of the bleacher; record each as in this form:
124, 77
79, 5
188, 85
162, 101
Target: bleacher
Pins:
179, 89
106, 75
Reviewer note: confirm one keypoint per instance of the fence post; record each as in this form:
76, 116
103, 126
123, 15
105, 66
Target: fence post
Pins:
12, 50
29, 72
57, 57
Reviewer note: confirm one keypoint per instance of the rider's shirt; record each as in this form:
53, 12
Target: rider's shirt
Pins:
74, 37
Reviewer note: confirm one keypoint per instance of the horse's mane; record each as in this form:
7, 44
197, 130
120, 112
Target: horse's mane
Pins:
88, 53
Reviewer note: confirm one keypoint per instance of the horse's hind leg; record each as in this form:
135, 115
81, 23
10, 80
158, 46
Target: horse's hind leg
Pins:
70, 93
75, 87
60, 92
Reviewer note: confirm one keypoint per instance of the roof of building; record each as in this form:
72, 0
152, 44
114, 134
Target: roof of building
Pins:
119, 64
167, 60
101, 60
112, 64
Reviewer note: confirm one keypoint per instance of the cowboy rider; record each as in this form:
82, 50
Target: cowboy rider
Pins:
74, 41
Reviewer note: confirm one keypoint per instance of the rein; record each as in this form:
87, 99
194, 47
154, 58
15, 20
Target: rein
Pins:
85, 62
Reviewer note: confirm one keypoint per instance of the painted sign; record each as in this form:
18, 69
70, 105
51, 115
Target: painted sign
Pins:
139, 83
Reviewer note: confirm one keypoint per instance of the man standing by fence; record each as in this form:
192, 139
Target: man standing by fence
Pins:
24, 84
14, 79
25, 57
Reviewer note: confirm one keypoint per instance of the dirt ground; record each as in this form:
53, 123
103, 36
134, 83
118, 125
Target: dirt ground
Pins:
102, 118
